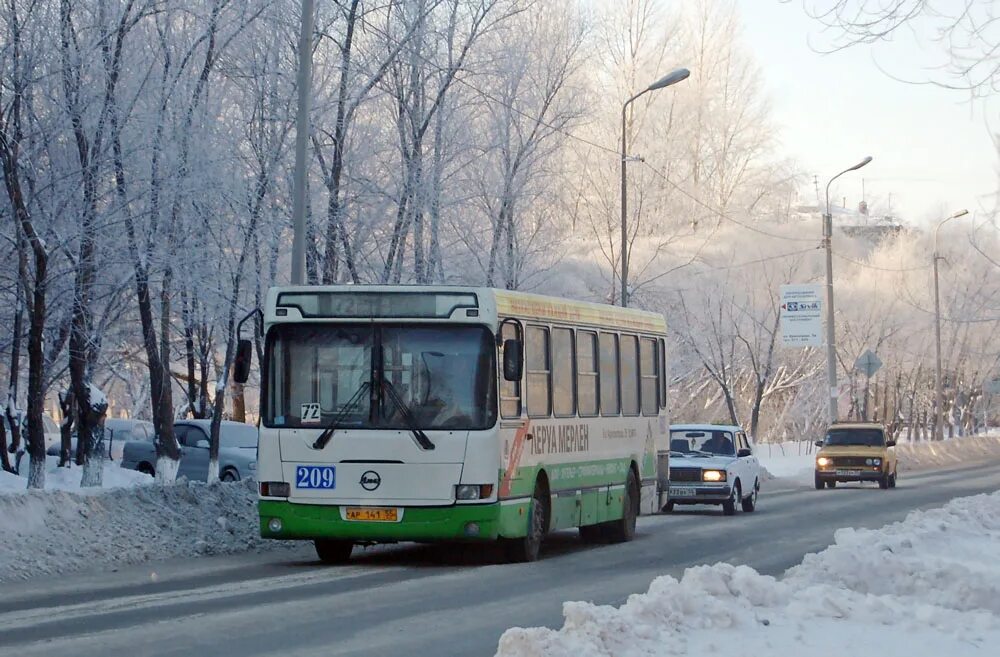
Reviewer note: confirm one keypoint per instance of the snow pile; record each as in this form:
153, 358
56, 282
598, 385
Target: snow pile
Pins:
58, 531
68, 479
795, 460
925, 586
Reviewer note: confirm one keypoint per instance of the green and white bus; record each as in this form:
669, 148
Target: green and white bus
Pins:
434, 413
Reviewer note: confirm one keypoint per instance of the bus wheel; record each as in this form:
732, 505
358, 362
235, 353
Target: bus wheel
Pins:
621, 531
526, 548
332, 551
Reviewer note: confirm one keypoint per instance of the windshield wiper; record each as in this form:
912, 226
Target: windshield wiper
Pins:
407, 414
348, 408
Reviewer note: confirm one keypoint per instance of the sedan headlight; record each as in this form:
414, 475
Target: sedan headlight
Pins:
252, 465
713, 475
823, 461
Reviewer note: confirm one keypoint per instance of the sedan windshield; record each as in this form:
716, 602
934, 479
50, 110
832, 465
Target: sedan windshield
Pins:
702, 442
443, 375
860, 437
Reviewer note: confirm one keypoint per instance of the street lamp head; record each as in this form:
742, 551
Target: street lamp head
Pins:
671, 78
960, 213
861, 163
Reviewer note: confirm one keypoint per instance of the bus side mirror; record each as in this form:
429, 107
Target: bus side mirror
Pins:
513, 358
244, 357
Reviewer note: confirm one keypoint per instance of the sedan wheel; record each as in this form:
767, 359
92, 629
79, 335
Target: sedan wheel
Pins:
729, 506
229, 476
750, 503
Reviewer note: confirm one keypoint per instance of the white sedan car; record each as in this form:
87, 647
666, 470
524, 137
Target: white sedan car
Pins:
712, 464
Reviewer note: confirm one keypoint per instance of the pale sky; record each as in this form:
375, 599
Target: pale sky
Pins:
931, 148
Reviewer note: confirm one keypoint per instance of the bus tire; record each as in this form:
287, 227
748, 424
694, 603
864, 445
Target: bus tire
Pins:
333, 551
623, 530
527, 547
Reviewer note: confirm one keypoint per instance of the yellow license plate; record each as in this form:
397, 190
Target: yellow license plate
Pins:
373, 514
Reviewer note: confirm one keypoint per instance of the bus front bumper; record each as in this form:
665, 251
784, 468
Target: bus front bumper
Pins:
288, 521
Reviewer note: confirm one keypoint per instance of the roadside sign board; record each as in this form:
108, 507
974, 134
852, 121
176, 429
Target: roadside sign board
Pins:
868, 363
802, 315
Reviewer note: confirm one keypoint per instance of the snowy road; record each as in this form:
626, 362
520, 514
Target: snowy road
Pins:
425, 600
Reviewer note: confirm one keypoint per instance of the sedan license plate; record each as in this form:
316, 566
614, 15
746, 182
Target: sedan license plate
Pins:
315, 477
372, 514
681, 492
848, 473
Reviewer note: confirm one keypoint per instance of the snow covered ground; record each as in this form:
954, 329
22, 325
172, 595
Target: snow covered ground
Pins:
923, 587
794, 460
60, 531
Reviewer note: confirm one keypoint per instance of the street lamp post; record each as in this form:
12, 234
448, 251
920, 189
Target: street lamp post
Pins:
938, 392
831, 352
301, 145
671, 78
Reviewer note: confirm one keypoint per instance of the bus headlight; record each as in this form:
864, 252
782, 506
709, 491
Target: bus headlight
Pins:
467, 492
713, 475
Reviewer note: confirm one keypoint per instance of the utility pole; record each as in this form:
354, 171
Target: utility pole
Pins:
938, 385
831, 344
301, 145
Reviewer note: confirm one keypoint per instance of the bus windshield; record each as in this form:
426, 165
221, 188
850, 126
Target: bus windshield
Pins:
443, 374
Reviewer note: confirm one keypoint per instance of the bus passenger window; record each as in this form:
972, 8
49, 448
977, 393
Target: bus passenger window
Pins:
538, 366
609, 374
630, 375
662, 373
648, 368
563, 398
586, 372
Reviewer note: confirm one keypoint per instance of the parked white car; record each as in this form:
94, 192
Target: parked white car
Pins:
713, 464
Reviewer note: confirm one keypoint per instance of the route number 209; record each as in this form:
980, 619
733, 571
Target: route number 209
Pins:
315, 476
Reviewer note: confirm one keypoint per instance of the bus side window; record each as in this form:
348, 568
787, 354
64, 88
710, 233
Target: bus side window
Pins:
539, 368
586, 373
563, 360
630, 374
510, 391
649, 389
662, 372
609, 375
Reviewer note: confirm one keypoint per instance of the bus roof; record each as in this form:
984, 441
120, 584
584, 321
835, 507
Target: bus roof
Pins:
507, 303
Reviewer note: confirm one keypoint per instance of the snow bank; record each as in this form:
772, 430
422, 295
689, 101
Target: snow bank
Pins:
794, 460
68, 479
58, 531
925, 586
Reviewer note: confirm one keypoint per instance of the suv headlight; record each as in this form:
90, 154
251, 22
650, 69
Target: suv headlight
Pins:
876, 461
713, 475
823, 461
